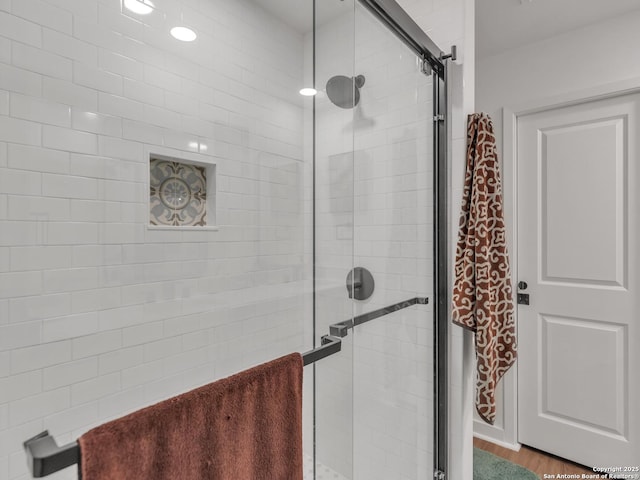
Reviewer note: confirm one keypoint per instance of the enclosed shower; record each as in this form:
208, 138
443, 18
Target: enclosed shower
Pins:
173, 211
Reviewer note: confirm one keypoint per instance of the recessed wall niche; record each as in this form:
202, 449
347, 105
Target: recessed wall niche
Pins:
181, 193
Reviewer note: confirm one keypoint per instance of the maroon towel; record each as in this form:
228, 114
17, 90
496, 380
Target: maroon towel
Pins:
482, 296
245, 427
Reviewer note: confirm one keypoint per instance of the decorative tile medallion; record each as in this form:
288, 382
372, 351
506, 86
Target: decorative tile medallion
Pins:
178, 194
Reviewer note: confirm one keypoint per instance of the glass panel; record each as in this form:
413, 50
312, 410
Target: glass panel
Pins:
393, 354
334, 56
374, 202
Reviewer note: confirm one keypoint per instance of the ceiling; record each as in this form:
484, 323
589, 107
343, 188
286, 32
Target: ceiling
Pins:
299, 13
505, 24
500, 24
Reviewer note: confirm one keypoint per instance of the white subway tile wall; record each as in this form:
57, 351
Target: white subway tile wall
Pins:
98, 314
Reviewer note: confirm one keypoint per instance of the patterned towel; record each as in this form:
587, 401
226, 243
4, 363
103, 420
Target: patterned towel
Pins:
482, 295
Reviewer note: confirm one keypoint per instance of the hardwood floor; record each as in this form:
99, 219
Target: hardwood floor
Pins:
535, 460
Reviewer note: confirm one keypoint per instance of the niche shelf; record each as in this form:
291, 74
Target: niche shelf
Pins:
181, 193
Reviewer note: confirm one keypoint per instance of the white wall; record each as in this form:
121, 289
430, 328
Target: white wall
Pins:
98, 314
577, 61
595, 55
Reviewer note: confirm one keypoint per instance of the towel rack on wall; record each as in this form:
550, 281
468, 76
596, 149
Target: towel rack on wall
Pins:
45, 457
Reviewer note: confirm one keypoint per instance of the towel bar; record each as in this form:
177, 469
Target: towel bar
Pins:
329, 346
45, 457
342, 329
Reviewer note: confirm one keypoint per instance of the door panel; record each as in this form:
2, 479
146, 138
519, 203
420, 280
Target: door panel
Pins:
577, 237
567, 221
568, 374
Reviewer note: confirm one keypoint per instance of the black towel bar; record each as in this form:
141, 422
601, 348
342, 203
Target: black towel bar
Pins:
329, 346
45, 457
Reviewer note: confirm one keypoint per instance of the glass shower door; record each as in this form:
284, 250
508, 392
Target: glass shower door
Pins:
393, 227
373, 204
334, 50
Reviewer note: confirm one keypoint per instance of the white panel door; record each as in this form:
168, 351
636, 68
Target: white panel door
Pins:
578, 241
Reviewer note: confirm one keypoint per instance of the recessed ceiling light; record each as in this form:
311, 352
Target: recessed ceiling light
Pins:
141, 7
308, 92
184, 34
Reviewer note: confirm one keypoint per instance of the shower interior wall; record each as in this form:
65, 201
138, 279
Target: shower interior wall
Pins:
99, 314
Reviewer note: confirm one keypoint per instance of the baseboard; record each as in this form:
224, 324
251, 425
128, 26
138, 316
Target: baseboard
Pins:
511, 446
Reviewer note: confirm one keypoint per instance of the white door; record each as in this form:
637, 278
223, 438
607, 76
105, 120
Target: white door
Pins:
578, 172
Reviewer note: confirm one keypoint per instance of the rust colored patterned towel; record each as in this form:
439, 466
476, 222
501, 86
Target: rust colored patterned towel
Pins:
482, 295
245, 427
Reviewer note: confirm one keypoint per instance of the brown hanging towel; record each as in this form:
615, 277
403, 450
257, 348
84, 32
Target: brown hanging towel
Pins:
482, 295
245, 427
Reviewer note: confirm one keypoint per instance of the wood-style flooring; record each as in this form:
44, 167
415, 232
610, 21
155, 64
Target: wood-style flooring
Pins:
535, 460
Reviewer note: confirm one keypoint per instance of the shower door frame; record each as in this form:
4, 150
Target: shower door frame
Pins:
391, 15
